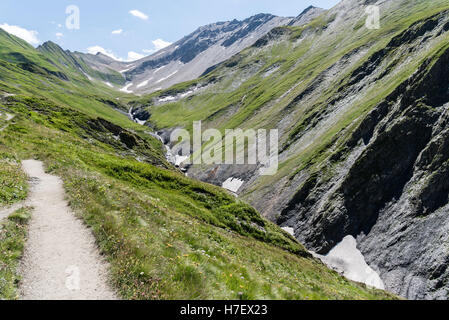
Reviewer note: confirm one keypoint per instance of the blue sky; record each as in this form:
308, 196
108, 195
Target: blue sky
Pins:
141, 26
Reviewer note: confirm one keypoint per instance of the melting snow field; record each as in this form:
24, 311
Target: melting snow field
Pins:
169, 76
180, 159
233, 184
141, 122
289, 230
144, 83
109, 84
167, 99
88, 77
158, 69
176, 160
125, 70
346, 259
125, 88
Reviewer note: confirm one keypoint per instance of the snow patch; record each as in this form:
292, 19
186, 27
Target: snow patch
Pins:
175, 159
167, 99
233, 184
180, 159
144, 83
108, 84
141, 122
346, 259
289, 230
187, 93
169, 76
125, 88
88, 77
125, 70
158, 69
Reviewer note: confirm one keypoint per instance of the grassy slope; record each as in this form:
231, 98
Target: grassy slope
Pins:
74, 64
71, 88
13, 233
13, 181
168, 237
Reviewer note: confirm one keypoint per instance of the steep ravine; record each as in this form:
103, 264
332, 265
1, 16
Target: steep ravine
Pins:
394, 198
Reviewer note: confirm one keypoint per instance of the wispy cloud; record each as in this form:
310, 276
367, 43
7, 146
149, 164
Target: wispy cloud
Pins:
59, 35
29, 36
139, 14
133, 56
98, 49
119, 31
159, 44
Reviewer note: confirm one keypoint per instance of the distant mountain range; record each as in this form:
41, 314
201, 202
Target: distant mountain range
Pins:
184, 60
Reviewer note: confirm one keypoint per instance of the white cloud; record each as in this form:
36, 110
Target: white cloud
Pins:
29, 36
59, 35
98, 49
119, 31
139, 14
133, 56
159, 44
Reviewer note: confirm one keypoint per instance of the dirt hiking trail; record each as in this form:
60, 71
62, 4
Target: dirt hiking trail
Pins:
61, 260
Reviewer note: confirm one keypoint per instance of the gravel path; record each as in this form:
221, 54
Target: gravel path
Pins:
61, 260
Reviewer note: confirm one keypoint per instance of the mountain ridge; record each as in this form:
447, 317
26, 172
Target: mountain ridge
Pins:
207, 46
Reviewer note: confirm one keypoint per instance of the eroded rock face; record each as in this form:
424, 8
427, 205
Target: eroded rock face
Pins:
394, 196
198, 52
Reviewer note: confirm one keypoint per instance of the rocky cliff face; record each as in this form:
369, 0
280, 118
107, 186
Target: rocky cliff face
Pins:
306, 16
362, 116
394, 195
196, 53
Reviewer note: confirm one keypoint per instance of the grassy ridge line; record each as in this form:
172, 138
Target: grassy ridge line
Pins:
25, 70
13, 233
166, 236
